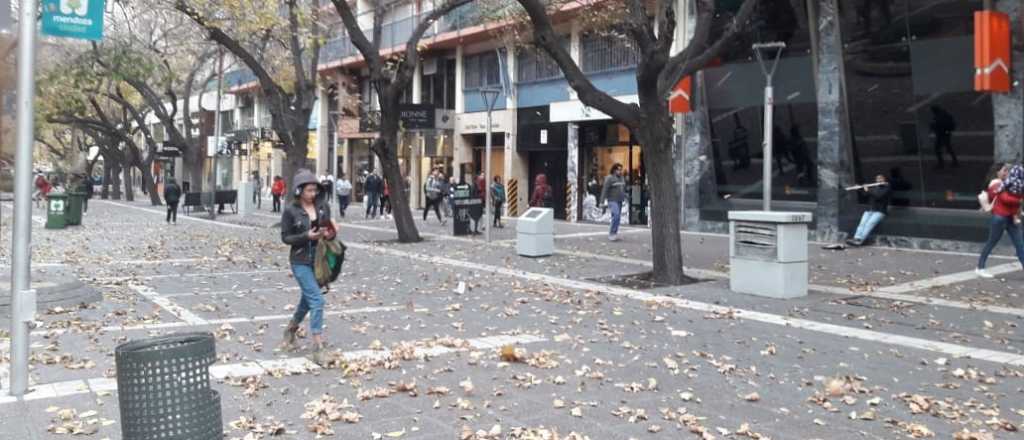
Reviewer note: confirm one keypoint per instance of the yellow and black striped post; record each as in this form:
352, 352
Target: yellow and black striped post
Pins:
512, 198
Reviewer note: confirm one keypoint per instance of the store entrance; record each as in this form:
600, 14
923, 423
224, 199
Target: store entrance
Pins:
553, 164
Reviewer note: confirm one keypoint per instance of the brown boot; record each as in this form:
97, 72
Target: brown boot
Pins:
288, 341
316, 355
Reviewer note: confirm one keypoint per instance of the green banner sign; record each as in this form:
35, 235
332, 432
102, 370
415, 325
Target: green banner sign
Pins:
82, 19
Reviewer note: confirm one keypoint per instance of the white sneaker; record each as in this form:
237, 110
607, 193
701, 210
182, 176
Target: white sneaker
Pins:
613, 238
983, 273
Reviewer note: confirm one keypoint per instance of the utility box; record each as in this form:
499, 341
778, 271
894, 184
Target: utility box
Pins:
245, 202
535, 233
768, 253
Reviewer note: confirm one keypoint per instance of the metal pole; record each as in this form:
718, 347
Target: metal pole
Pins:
769, 110
488, 211
216, 133
20, 238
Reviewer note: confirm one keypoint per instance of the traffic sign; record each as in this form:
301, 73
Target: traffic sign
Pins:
81, 19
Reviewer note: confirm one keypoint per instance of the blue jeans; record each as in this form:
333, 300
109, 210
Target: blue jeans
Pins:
995, 233
616, 209
371, 200
868, 221
312, 300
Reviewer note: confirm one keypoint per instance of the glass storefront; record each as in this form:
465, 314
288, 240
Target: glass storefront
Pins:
913, 113
602, 145
735, 97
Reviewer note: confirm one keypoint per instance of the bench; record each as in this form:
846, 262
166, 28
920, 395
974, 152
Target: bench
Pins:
192, 200
227, 198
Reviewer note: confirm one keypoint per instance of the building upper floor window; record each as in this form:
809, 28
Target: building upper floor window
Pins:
534, 64
602, 52
482, 70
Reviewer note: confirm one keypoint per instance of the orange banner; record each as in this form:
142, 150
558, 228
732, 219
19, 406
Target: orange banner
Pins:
991, 51
679, 100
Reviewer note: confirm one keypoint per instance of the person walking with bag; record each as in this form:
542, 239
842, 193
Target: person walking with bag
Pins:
303, 224
613, 193
1005, 194
344, 189
497, 198
432, 189
172, 195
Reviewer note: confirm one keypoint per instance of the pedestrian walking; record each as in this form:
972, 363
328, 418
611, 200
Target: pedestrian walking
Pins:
385, 201
434, 196
344, 191
257, 190
303, 224
541, 197
86, 188
373, 188
878, 196
172, 195
277, 192
43, 188
1005, 193
613, 193
943, 125
497, 198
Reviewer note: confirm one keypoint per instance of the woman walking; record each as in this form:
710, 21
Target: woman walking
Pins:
277, 191
303, 224
1005, 193
497, 198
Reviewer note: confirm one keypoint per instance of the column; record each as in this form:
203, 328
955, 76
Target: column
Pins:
1008, 108
323, 138
571, 174
833, 124
515, 169
460, 98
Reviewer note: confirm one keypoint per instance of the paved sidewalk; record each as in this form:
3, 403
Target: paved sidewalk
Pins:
889, 344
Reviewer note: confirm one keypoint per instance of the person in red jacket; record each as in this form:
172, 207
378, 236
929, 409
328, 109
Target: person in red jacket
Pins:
277, 191
42, 188
542, 196
1005, 193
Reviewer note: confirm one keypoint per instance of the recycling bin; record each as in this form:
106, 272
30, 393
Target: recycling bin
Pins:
76, 202
768, 253
56, 210
164, 390
535, 233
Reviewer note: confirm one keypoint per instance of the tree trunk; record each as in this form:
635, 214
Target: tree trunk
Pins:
192, 161
129, 191
107, 172
295, 157
150, 184
404, 223
656, 140
115, 181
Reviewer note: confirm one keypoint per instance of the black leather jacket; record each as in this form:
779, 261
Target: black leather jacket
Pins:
295, 224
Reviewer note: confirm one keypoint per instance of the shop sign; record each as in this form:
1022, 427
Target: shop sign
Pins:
417, 116
991, 52
574, 111
679, 99
543, 137
476, 123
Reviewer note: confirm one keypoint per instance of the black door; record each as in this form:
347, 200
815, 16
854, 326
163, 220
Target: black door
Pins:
553, 164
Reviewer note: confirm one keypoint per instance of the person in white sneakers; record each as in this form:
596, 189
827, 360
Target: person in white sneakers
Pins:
613, 193
1005, 194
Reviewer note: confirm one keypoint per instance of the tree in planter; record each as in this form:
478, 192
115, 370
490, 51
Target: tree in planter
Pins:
287, 78
391, 75
651, 28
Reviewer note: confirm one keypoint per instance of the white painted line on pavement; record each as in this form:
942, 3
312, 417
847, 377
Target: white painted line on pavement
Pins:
946, 280
295, 365
168, 305
188, 275
229, 292
222, 321
832, 329
596, 234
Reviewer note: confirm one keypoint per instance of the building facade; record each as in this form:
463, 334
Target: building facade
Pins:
862, 88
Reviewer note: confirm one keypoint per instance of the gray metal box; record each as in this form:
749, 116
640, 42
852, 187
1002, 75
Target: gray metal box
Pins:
768, 253
535, 233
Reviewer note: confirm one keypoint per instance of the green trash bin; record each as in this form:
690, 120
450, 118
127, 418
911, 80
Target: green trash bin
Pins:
56, 210
73, 217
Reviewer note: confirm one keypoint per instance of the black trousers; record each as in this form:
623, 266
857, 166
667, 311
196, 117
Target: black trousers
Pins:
497, 214
172, 212
277, 203
436, 204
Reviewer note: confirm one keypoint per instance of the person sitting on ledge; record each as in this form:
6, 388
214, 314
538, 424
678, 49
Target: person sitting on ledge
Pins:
878, 196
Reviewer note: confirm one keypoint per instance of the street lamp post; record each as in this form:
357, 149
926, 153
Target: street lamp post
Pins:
491, 98
22, 297
769, 113
217, 127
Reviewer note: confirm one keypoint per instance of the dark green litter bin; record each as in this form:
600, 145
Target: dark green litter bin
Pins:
56, 210
73, 216
163, 387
